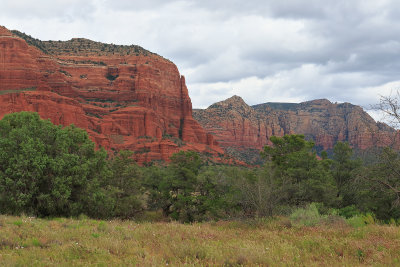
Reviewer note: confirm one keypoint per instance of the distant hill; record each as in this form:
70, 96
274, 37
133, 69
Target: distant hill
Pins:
240, 128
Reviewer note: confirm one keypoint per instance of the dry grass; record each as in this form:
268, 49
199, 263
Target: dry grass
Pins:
26, 241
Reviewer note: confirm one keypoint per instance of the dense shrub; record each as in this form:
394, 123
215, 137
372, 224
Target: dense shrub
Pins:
301, 177
308, 216
124, 186
46, 170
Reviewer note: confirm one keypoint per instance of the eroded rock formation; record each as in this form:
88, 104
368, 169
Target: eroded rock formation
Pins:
124, 96
240, 127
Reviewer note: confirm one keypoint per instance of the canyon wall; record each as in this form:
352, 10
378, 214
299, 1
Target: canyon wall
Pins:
240, 127
124, 96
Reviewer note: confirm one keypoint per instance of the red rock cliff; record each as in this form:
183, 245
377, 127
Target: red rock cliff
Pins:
239, 127
124, 96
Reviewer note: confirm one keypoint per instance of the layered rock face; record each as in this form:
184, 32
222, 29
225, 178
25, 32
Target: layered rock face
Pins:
236, 124
239, 126
124, 96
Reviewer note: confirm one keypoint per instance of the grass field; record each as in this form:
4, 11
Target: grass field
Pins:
26, 241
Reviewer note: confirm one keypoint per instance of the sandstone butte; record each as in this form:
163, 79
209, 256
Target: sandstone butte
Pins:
243, 130
125, 97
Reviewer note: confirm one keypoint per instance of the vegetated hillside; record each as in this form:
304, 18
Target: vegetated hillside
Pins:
83, 47
243, 130
124, 96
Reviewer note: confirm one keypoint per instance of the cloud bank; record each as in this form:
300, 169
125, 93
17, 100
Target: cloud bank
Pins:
286, 51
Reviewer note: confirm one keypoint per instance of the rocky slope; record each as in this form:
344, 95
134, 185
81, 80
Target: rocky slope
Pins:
124, 96
240, 128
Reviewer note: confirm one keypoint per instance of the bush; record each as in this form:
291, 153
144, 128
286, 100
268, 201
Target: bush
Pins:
46, 170
308, 216
369, 218
362, 220
356, 221
124, 186
349, 211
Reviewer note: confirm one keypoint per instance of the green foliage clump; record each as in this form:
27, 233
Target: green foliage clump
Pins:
301, 177
380, 186
181, 199
349, 211
124, 186
344, 169
187, 190
308, 216
111, 77
46, 170
356, 221
3, 92
361, 220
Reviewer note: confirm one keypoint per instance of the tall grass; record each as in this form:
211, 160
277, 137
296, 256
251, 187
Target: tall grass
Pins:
26, 241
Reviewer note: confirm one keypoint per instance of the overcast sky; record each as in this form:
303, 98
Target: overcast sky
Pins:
261, 50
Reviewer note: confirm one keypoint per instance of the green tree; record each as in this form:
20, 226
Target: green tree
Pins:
153, 184
381, 180
179, 186
46, 170
380, 187
125, 185
217, 197
300, 175
344, 169
187, 190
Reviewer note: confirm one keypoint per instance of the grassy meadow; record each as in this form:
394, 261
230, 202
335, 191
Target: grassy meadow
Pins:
27, 241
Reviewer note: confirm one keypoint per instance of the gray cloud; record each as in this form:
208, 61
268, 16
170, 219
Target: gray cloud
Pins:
64, 10
263, 50
134, 4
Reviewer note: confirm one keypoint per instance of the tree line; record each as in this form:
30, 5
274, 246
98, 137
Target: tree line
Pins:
51, 171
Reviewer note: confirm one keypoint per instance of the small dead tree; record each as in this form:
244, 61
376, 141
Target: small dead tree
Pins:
386, 173
259, 195
390, 107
